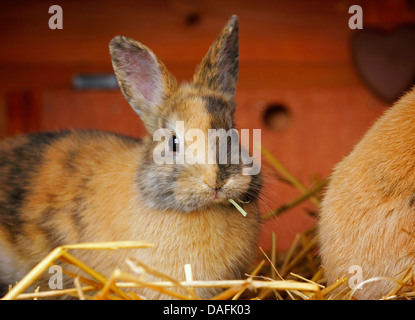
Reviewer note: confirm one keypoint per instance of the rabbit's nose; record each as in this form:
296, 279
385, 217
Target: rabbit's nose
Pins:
218, 192
215, 185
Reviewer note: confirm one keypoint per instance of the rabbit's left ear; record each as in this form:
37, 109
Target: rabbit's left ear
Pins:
143, 79
219, 68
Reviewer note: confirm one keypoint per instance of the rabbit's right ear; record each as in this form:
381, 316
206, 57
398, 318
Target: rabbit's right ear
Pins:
219, 68
143, 79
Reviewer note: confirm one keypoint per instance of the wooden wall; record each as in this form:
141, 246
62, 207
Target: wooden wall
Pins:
294, 53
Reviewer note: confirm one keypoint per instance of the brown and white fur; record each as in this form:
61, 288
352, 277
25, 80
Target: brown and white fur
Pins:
67, 187
370, 201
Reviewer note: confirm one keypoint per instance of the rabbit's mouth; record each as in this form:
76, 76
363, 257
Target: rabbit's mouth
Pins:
204, 197
218, 194
215, 192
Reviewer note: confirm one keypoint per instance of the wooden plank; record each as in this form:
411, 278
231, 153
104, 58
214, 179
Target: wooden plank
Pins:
91, 109
299, 30
23, 110
251, 75
387, 14
325, 123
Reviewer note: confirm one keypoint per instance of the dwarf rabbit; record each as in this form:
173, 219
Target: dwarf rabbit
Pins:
368, 212
84, 186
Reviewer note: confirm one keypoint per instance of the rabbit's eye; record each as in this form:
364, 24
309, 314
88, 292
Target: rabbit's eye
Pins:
174, 143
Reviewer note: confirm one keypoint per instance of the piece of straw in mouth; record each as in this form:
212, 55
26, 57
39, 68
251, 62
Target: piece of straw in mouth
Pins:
237, 206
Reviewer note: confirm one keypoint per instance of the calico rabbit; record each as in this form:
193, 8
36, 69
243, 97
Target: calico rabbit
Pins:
368, 212
85, 186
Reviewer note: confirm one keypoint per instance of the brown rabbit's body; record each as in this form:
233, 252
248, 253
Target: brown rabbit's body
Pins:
369, 202
81, 187
86, 186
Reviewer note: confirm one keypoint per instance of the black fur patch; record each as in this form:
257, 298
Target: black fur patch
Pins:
254, 188
18, 166
221, 112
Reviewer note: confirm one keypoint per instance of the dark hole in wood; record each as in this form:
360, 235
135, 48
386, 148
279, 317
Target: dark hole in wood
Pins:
192, 19
277, 117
